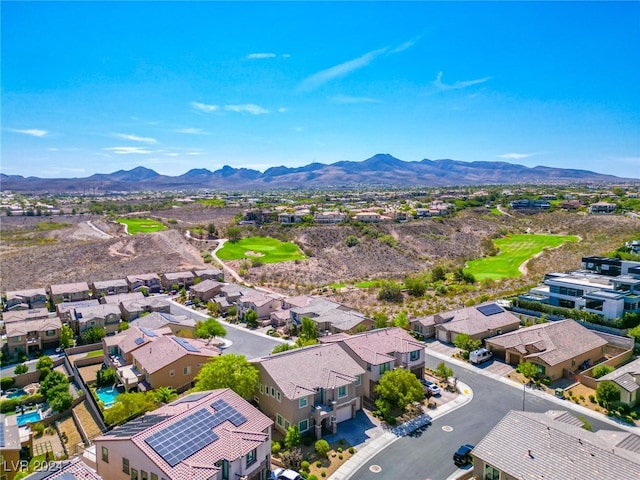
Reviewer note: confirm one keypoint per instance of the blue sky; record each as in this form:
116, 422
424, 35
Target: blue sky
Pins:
97, 87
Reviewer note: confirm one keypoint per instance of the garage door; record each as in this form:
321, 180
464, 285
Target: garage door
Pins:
343, 414
442, 336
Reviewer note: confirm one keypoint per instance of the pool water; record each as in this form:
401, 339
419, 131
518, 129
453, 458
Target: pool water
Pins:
16, 394
107, 395
28, 417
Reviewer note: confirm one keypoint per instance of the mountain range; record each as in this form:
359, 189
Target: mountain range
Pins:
381, 170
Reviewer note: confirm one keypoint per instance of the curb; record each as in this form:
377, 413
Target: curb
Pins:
363, 455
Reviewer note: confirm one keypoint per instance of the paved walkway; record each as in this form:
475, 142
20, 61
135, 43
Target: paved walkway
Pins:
369, 449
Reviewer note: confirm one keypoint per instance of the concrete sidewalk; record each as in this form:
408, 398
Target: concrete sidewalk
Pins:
366, 451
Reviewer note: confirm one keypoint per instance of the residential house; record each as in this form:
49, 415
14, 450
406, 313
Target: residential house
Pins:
329, 217
158, 320
606, 286
12, 440
24, 315
331, 317
554, 445
132, 310
26, 299
123, 298
369, 217
205, 290
559, 349
110, 287
66, 310
314, 388
118, 348
69, 292
293, 217
177, 280
102, 315
148, 281
479, 322
74, 469
261, 304
232, 292
34, 335
525, 204
381, 350
602, 208
171, 361
425, 327
627, 379
209, 274
203, 436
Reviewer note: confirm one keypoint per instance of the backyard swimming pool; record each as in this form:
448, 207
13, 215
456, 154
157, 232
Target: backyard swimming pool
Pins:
107, 395
30, 417
16, 393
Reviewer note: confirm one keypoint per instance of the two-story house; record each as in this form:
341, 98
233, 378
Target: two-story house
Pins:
110, 287
148, 281
26, 299
261, 304
177, 280
314, 388
70, 292
209, 274
105, 316
214, 435
381, 350
205, 290
33, 335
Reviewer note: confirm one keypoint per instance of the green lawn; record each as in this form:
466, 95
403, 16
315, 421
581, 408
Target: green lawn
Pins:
141, 225
513, 251
95, 353
272, 250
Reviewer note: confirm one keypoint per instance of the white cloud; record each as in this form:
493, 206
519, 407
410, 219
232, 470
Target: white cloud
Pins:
204, 107
404, 46
348, 99
192, 131
318, 79
254, 56
34, 132
516, 156
194, 153
172, 154
283, 109
246, 108
129, 150
135, 138
459, 84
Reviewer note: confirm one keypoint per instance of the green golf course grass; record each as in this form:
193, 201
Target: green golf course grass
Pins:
513, 251
272, 250
141, 225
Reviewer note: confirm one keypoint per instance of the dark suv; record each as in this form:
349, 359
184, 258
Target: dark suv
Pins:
462, 456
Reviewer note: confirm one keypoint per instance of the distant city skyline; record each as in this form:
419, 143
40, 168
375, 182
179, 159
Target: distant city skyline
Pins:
95, 87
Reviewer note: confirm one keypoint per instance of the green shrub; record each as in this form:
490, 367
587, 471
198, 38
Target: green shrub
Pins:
38, 428
20, 369
275, 448
322, 447
323, 474
9, 405
312, 477
340, 456
351, 450
592, 398
305, 465
7, 382
318, 464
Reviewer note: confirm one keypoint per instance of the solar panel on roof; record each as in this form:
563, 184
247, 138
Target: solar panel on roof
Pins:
139, 341
491, 309
147, 332
136, 426
183, 438
224, 412
191, 398
186, 345
67, 476
2, 435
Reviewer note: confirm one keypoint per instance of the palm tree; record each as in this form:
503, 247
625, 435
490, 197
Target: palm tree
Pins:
165, 394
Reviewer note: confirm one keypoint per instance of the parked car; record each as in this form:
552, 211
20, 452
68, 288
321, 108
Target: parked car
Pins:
282, 474
480, 355
463, 456
432, 387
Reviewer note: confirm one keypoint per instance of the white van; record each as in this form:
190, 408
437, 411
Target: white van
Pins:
480, 355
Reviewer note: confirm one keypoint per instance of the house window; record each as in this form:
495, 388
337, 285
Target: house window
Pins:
134, 474
50, 333
172, 373
251, 456
384, 367
105, 454
358, 380
273, 392
125, 465
541, 369
143, 475
154, 476
491, 473
342, 391
368, 367
261, 388
186, 370
279, 419
286, 424
303, 426
413, 356
302, 403
17, 339
223, 465
278, 396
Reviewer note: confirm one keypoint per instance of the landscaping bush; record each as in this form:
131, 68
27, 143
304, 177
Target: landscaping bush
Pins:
322, 447
592, 398
275, 448
312, 477
351, 450
7, 382
38, 428
9, 405
602, 370
305, 466
20, 369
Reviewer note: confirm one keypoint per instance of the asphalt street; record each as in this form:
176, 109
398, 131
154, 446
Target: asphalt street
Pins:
429, 455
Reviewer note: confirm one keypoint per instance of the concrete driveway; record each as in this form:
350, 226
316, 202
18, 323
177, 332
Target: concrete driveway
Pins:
357, 431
